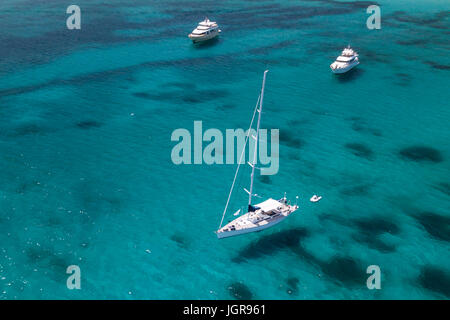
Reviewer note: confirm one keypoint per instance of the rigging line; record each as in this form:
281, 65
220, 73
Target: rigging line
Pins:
239, 163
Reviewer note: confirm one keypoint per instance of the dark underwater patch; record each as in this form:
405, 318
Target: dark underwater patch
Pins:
93, 201
210, 94
361, 128
299, 122
374, 243
105, 27
381, 246
54, 221
377, 56
360, 150
272, 243
49, 45
265, 179
292, 285
176, 97
103, 75
192, 98
421, 153
88, 124
435, 279
278, 18
21, 90
180, 241
29, 129
355, 4
181, 85
403, 79
437, 65
120, 72
289, 139
96, 198
367, 231
226, 106
239, 291
436, 20
44, 258
436, 225
294, 156
444, 187
359, 125
376, 132
362, 189
24, 186
423, 42
344, 270
143, 95
284, 16
354, 118
376, 226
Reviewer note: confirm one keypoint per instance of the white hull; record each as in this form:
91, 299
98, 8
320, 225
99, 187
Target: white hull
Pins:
345, 69
258, 220
233, 233
201, 38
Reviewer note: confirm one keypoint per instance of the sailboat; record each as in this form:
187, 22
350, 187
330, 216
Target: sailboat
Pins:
262, 215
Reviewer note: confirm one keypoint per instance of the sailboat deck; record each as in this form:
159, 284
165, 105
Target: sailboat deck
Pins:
268, 212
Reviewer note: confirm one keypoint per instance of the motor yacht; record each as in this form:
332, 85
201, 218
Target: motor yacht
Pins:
346, 61
206, 30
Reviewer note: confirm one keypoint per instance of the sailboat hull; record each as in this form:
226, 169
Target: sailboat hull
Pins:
233, 233
268, 214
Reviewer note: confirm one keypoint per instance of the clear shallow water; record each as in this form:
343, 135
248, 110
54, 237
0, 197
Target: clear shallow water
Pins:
85, 182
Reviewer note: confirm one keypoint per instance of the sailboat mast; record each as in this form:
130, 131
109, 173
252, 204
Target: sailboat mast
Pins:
240, 161
256, 141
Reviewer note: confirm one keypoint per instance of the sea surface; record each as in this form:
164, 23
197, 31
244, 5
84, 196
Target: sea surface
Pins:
86, 118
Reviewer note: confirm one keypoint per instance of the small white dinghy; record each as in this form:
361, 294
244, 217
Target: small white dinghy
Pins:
315, 198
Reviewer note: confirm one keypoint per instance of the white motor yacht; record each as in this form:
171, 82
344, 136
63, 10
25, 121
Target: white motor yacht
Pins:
205, 30
346, 61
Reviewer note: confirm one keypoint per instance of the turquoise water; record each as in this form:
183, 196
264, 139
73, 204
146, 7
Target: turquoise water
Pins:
87, 179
